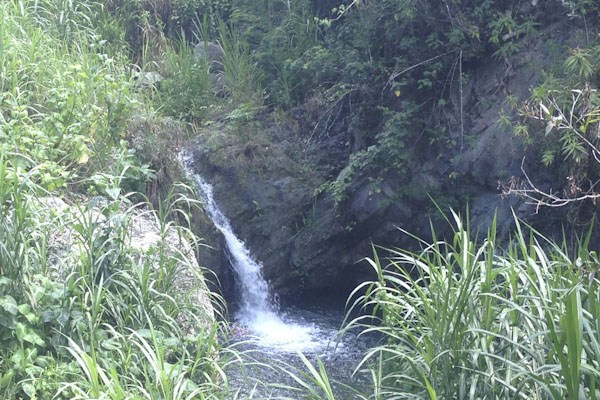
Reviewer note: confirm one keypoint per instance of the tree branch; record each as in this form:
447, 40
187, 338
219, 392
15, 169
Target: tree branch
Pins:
540, 198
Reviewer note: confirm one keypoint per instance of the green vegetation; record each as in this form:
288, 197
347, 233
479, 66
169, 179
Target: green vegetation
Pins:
87, 313
465, 319
64, 94
562, 120
379, 79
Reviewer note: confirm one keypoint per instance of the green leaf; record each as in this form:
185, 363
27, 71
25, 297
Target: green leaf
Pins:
21, 330
24, 309
64, 316
4, 281
29, 389
26, 334
7, 322
32, 318
9, 304
49, 315
34, 370
145, 333
172, 342
34, 338
6, 379
113, 192
571, 325
17, 358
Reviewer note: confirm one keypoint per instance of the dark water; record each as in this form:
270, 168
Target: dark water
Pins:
264, 376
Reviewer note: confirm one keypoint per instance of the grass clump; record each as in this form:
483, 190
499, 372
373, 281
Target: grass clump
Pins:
464, 319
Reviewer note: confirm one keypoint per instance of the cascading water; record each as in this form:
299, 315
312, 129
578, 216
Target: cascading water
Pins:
255, 292
278, 337
257, 312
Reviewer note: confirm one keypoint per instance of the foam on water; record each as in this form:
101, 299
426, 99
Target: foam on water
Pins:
274, 332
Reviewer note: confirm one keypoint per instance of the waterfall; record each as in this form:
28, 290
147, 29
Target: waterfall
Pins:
254, 289
256, 312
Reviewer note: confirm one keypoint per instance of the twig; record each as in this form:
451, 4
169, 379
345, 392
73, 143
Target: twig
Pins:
541, 198
344, 10
396, 74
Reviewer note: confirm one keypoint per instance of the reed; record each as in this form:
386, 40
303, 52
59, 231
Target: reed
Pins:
466, 319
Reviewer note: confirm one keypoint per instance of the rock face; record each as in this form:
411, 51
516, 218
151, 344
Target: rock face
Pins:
308, 243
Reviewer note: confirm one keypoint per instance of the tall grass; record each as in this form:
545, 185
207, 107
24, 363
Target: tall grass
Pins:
110, 319
136, 303
464, 319
84, 312
314, 383
187, 91
144, 364
192, 91
18, 228
242, 75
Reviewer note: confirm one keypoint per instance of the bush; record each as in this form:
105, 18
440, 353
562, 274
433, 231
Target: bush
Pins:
83, 312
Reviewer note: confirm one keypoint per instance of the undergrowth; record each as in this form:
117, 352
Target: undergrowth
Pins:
100, 296
466, 319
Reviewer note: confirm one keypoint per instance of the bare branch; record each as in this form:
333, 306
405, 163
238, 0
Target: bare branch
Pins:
396, 74
345, 9
540, 198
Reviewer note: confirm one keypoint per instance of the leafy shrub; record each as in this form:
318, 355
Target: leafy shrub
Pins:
82, 313
64, 100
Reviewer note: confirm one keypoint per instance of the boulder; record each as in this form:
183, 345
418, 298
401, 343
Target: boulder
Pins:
212, 53
146, 80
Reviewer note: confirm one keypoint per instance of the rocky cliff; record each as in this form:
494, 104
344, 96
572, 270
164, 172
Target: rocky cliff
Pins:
269, 178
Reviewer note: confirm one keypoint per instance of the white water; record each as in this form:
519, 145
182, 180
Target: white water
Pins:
257, 312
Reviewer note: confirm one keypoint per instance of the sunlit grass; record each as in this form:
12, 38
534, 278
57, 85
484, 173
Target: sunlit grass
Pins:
465, 319
83, 314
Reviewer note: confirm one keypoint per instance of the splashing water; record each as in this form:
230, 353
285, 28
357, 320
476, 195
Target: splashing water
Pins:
256, 312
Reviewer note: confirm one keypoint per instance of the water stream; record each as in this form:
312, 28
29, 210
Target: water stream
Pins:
275, 336
256, 312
